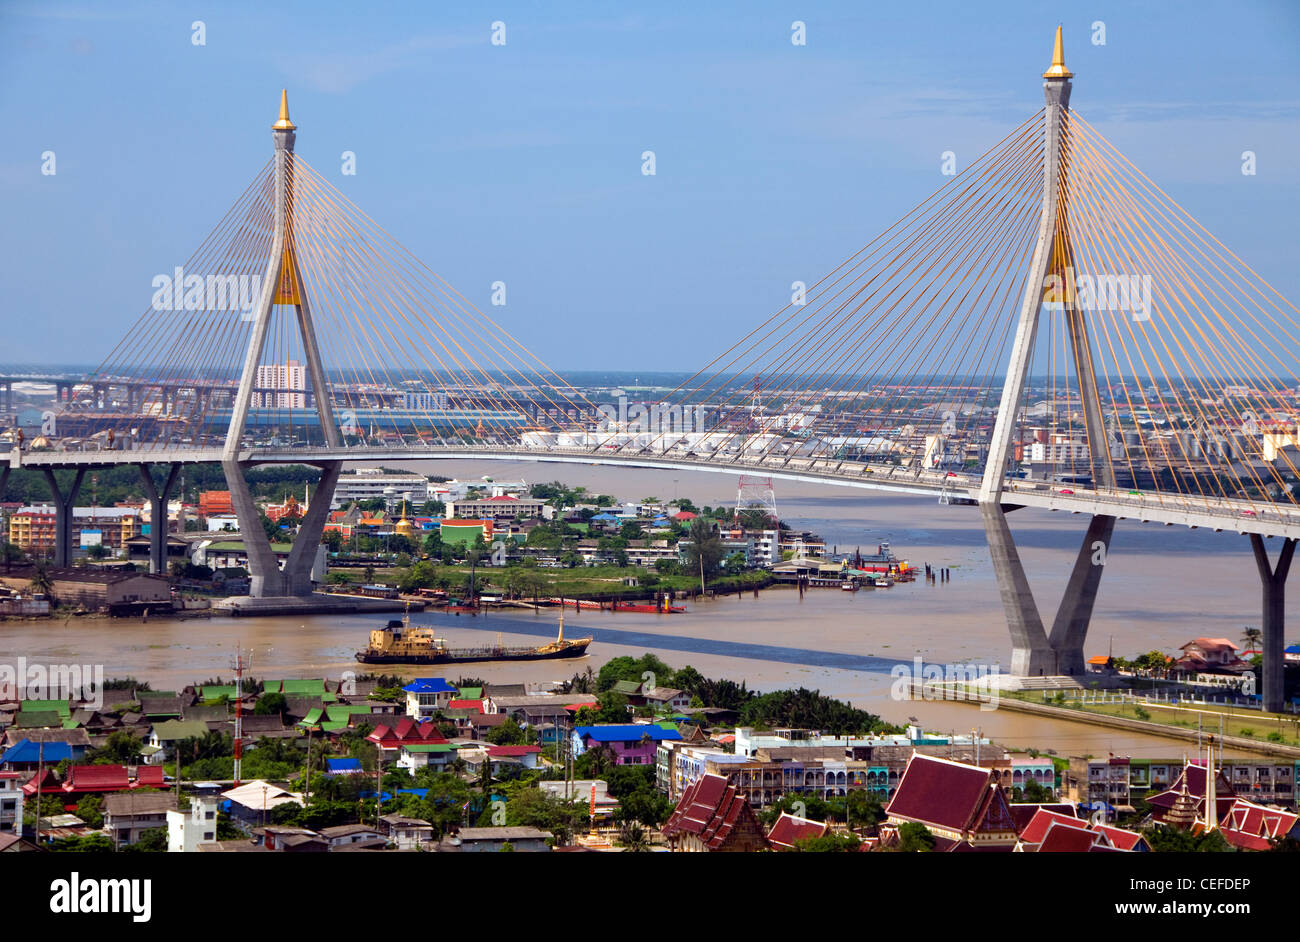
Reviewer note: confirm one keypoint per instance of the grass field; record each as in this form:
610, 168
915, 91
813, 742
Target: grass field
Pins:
1281, 728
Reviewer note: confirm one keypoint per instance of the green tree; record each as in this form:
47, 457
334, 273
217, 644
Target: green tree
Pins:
705, 550
91, 810
271, 704
827, 843
914, 837
508, 733
121, 748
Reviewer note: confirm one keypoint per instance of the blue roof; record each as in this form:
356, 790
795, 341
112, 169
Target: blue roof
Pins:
1293, 649
27, 751
343, 765
629, 732
429, 685
605, 517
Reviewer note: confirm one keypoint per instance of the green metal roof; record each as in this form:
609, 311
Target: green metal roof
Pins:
312, 718
40, 706
217, 690
627, 687
471, 693
432, 747
300, 687
38, 719
172, 730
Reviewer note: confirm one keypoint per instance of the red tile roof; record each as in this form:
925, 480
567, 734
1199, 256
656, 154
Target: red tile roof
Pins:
466, 705
495, 751
1043, 821
1062, 838
950, 795
149, 776
789, 828
406, 732
710, 809
96, 778
1122, 839
1023, 812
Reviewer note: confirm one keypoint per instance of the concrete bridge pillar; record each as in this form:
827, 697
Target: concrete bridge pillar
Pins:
158, 515
297, 568
63, 504
1070, 629
1031, 655
264, 576
1033, 651
1273, 581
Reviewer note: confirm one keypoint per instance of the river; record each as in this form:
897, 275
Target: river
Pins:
1162, 587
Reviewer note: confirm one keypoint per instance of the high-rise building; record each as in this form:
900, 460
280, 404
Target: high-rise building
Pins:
278, 380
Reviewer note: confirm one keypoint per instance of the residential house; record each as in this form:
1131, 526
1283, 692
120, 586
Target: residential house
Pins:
167, 734
1210, 656
587, 791
407, 833
343, 835
406, 732
187, 830
11, 802
426, 696
128, 815
414, 756
479, 840
252, 800
291, 840
631, 744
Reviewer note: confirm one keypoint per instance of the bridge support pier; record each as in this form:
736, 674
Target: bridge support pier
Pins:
1031, 655
1033, 652
1070, 629
1274, 583
302, 558
266, 579
158, 515
63, 504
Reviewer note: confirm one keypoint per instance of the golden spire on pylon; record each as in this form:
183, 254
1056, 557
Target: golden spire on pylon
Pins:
284, 124
1058, 69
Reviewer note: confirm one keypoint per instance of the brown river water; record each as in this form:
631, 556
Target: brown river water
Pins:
1162, 587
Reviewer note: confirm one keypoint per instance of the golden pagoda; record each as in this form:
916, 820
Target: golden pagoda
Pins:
404, 527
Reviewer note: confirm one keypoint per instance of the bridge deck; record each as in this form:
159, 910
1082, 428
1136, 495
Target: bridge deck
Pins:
1219, 514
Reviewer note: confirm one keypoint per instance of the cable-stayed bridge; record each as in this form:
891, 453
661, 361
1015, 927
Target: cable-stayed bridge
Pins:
1049, 329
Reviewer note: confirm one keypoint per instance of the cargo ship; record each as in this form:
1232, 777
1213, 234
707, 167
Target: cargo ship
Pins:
399, 643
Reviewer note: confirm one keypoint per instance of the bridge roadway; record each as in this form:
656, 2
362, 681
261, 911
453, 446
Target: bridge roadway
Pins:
1231, 515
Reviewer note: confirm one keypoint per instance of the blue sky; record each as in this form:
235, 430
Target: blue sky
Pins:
522, 162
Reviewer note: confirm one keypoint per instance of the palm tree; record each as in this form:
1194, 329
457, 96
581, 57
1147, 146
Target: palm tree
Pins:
1252, 637
634, 838
41, 580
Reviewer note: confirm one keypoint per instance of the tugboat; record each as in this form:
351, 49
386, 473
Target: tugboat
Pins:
399, 643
